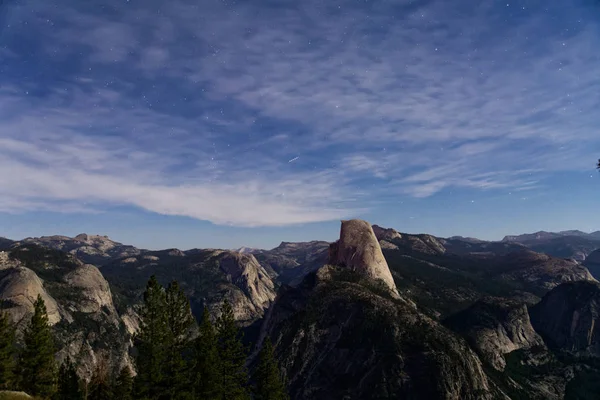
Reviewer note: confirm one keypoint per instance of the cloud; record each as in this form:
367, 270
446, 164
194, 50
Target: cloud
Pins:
196, 111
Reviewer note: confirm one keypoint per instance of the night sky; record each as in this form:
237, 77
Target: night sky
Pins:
220, 124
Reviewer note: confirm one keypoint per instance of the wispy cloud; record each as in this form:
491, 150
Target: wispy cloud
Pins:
196, 110
141, 161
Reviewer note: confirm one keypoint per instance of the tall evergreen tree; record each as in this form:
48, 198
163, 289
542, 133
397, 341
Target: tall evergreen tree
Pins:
7, 352
207, 376
123, 388
232, 354
37, 365
179, 323
99, 387
269, 382
68, 382
150, 343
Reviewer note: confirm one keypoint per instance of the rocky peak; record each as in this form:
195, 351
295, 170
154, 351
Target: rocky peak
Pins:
568, 315
359, 250
94, 288
388, 234
100, 242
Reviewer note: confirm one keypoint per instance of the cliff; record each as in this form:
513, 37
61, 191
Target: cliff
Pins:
358, 250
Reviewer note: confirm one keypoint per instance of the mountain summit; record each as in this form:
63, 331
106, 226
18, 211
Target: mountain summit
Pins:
358, 249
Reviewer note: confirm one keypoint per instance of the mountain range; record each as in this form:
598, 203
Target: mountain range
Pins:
376, 314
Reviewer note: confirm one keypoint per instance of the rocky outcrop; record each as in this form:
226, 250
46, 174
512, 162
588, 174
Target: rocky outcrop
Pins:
19, 289
358, 250
91, 249
540, 270
425, 244
568, 317
95, 291
387, 234
208, 277
338, 339
244, 271
12, 395
495, 327
78, 300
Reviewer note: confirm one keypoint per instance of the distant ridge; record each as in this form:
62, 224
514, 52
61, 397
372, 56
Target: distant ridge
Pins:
544, 235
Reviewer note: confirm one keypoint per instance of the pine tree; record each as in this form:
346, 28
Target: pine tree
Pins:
269, 383
99, 387
207, 365
68, 382
232, 354
37, 365
123, 388
179, 322
150, 343
7, 352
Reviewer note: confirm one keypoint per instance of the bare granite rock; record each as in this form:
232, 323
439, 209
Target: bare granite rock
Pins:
568, 316
359, 250
19, 288
388, 234
94, 288
495, 327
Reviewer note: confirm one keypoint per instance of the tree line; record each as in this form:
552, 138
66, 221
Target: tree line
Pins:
176, 358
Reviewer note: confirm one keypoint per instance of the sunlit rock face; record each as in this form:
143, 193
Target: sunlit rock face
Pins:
19, 289
358, 249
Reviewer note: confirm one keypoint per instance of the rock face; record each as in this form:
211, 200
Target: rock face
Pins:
495, 327
337, 339
19, 288
358, 250
244, 271
387, 234
425, 244
94, 288
208, 277
568, 317
539, 270
78, 299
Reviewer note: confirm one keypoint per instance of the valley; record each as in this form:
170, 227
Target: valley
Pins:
377, 314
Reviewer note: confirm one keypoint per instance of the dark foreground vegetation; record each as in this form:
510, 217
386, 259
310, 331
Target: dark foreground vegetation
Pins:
175, 358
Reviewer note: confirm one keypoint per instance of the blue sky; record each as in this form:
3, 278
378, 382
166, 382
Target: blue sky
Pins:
220, 124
